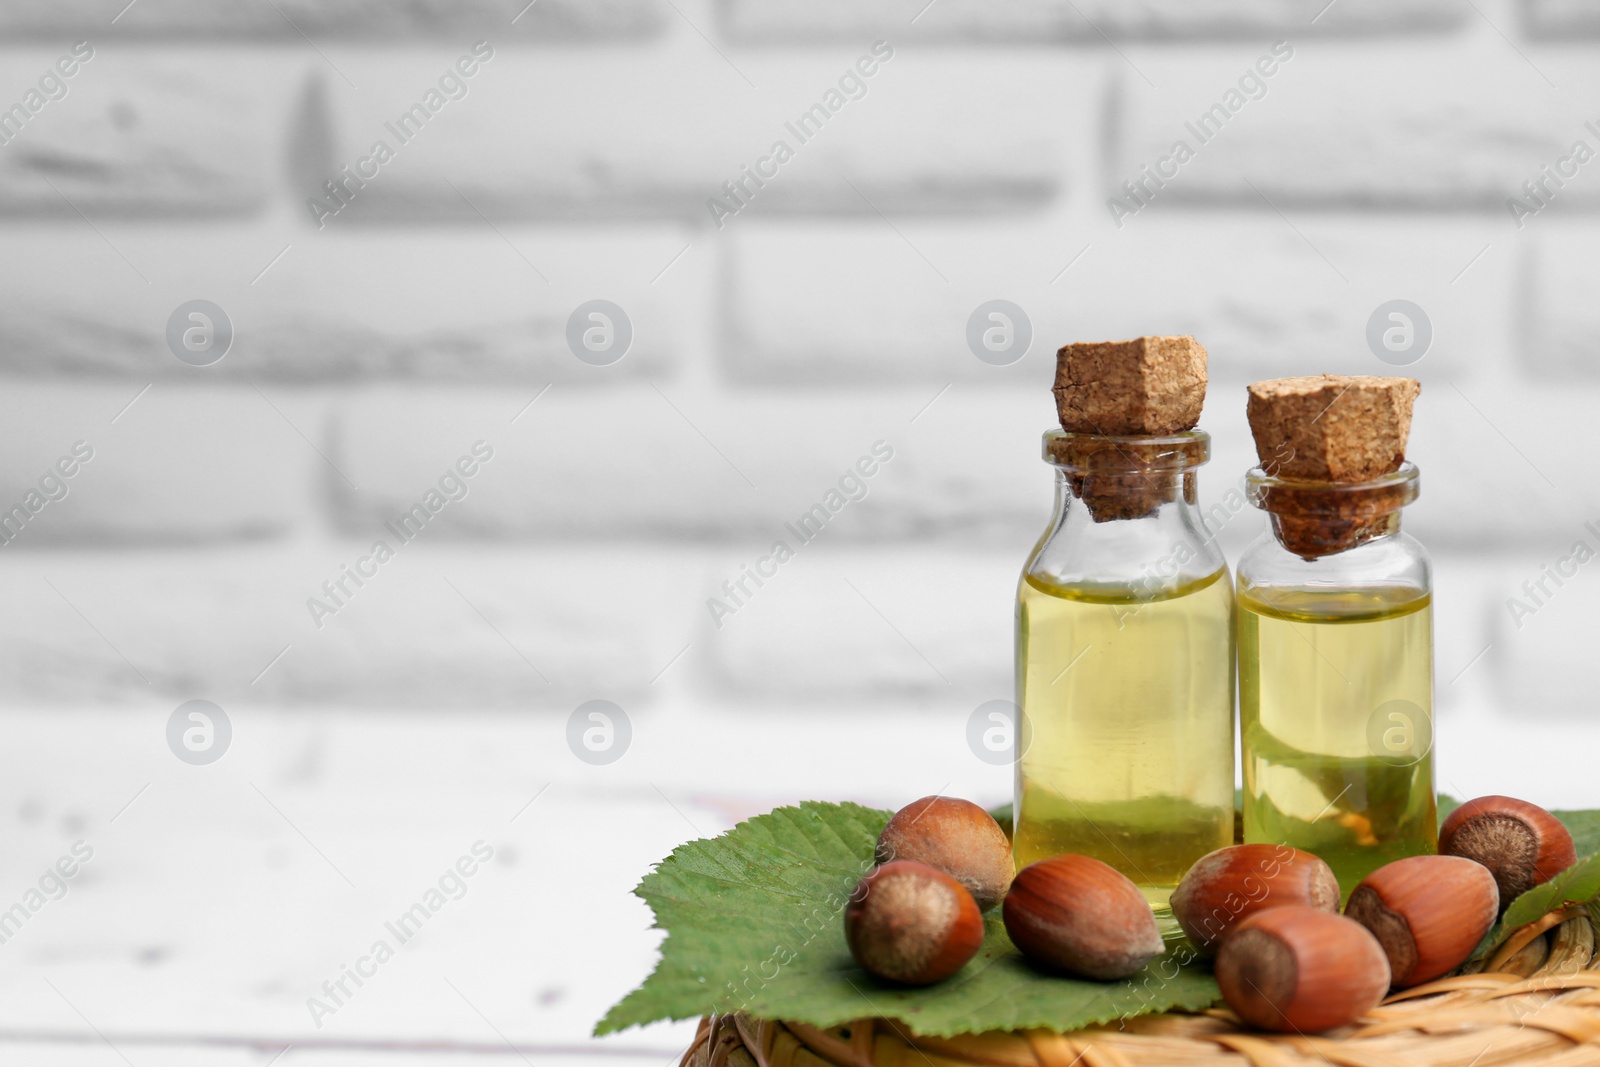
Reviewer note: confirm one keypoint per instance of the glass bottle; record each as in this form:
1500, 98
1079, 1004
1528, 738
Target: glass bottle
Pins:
1336, 674
1125, 665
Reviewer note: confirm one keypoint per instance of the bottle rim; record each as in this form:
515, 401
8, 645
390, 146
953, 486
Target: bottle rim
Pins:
1084, 452
1305, 496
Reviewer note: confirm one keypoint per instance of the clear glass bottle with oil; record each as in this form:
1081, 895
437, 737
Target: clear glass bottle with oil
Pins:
1125, 665
1336, 674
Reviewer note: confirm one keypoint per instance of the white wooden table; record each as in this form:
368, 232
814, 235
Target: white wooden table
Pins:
218, 899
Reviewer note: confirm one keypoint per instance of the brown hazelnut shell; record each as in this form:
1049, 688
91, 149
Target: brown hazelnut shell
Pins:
1233, 883
954, 836
911, 924
1522, 844
1428, 913
1079, 915
1301, 969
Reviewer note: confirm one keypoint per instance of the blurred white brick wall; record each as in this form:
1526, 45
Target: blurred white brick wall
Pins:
770, 351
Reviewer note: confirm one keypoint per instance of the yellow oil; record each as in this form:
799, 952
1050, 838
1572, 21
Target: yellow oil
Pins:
1336, 716
1127, 703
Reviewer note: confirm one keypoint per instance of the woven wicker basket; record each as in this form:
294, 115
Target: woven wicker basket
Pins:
1536, 1001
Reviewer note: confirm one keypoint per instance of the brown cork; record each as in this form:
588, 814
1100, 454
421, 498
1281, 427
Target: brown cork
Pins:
1341, 431
1129, 477
1313, 523
1109, 396
1332, 427
1150, 385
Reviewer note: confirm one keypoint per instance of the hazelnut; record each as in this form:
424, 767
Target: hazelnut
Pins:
1522, 844
1428, 913
1076, 914
1234, 883
909, 923
956, 837
1299, 968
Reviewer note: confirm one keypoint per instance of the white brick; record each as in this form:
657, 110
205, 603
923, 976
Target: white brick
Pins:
405, 638
466, 305
1541, 660
143, 132
783, 21
934, 625
780, 21
1184, 20
857, 303
1498, 464
1484, 447
1464, 584
1271, 297
642, 463
886, 624
1560, 19
1447, 126
178, 464
356, 19
633, 462
541, 135
1555, 294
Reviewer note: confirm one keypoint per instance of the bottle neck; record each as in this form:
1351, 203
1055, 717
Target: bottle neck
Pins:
1316, 519
1314, 537
1126, 519
1127, 495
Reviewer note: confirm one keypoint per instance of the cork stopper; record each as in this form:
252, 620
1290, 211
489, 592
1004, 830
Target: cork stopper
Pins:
1128, 477
1332, 427
1115, 399
1150, 385
1328, 445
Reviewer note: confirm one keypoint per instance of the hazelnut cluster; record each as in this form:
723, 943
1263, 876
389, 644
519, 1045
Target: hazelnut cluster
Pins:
1267, 915
917, 918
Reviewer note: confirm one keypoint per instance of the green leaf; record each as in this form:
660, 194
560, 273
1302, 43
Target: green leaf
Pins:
754, 922
1578, 884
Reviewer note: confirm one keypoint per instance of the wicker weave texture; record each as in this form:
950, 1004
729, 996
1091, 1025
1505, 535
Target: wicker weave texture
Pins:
1537, 1001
